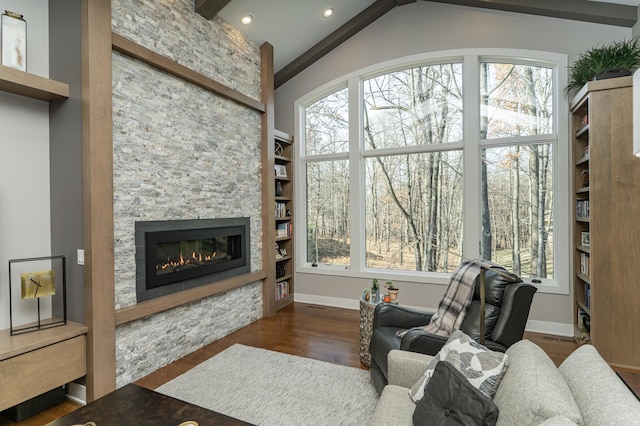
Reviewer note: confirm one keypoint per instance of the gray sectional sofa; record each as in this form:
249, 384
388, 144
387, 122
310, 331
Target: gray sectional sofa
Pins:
584, 390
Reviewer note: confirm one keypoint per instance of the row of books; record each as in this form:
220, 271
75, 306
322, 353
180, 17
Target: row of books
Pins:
282, 290
582, 209
584, 264
284, 229
281, 210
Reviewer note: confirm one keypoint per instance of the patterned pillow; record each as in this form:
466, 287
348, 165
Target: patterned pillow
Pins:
482, 367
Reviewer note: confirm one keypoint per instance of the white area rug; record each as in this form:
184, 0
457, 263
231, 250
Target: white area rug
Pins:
271, 388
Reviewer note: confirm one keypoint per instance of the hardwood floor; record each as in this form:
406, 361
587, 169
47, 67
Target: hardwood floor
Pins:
313, 331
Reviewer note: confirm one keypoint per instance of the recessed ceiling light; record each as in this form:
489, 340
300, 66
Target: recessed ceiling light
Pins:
247, 19
327, 12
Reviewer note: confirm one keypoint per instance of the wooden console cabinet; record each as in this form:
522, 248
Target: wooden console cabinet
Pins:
34, 363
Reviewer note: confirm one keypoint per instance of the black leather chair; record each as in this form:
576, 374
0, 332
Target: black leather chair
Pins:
507, 307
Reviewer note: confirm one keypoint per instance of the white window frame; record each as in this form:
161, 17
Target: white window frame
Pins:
471, 147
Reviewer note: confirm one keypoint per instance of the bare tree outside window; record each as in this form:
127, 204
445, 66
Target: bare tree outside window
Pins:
413, 202
430, 185
327, 133
517, 179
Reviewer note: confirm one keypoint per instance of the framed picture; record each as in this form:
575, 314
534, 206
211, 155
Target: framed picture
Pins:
584, 239
281, 170
37, 294
14, 40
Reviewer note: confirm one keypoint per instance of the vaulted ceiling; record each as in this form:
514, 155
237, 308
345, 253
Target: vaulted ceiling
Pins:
301, 36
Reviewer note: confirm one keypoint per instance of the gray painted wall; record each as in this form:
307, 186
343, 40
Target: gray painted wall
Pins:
25, 225
427, 27
636, 27
65, 133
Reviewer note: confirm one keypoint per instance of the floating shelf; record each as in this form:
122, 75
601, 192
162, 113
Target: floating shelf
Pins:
31, 85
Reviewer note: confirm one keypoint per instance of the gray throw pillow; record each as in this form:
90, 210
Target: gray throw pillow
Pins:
449, 399
482, 367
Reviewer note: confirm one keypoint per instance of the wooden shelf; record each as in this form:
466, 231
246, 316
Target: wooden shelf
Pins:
614, 200
31, 85
582, 131
283, 243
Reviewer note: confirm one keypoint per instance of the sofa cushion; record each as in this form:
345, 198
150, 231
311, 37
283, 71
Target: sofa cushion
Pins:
449, 398
600, 394
558, 421
482, 367
394, 407
532, 389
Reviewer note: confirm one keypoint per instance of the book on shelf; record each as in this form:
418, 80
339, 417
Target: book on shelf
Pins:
582, 209
282, 290
587, 296
584, 264
281, 210
283, 230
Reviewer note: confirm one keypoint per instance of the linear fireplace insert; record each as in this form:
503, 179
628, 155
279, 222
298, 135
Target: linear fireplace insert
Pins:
177, 255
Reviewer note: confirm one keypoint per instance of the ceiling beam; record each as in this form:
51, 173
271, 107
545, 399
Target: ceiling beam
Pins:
210, 8
577, 10
335, 39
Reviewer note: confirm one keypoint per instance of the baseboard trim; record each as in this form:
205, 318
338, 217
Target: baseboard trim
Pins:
534, 326
77, 393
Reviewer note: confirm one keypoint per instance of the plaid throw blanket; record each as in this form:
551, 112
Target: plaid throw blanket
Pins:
457, 298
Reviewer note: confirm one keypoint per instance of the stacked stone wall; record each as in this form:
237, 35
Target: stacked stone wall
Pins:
181, 152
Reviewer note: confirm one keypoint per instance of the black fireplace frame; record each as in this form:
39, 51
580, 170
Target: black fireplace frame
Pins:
151, 232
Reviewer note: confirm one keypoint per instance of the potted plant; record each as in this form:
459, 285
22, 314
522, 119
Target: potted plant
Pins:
375, 289
616, 59
392, 290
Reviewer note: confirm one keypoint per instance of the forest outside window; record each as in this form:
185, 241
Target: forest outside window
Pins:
447, 159
517, 176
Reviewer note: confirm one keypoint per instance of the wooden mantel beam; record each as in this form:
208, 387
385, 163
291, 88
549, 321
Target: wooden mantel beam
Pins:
210, 8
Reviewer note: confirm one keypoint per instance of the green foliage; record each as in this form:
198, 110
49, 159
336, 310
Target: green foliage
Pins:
374, 285
623, 54
389, 285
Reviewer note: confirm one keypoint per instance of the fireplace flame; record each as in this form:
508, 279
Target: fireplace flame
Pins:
197, 259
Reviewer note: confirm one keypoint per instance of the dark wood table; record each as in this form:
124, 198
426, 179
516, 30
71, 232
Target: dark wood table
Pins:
135, 405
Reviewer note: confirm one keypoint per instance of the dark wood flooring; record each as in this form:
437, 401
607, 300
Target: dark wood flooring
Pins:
313, 331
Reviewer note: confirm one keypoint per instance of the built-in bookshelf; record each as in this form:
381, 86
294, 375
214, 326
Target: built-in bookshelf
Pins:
284, 260
606, 232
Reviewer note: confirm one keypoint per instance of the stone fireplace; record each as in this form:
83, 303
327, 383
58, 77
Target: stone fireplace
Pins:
181, 152
175, 255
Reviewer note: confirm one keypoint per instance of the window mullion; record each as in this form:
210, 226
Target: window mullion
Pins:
472, 223
356, 175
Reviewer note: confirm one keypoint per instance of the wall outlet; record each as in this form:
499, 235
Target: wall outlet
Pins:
80, 257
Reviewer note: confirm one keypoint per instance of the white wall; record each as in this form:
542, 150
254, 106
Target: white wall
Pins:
425, 27
25, 229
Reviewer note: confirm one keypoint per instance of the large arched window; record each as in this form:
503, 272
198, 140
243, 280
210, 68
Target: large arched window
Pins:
412, 168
